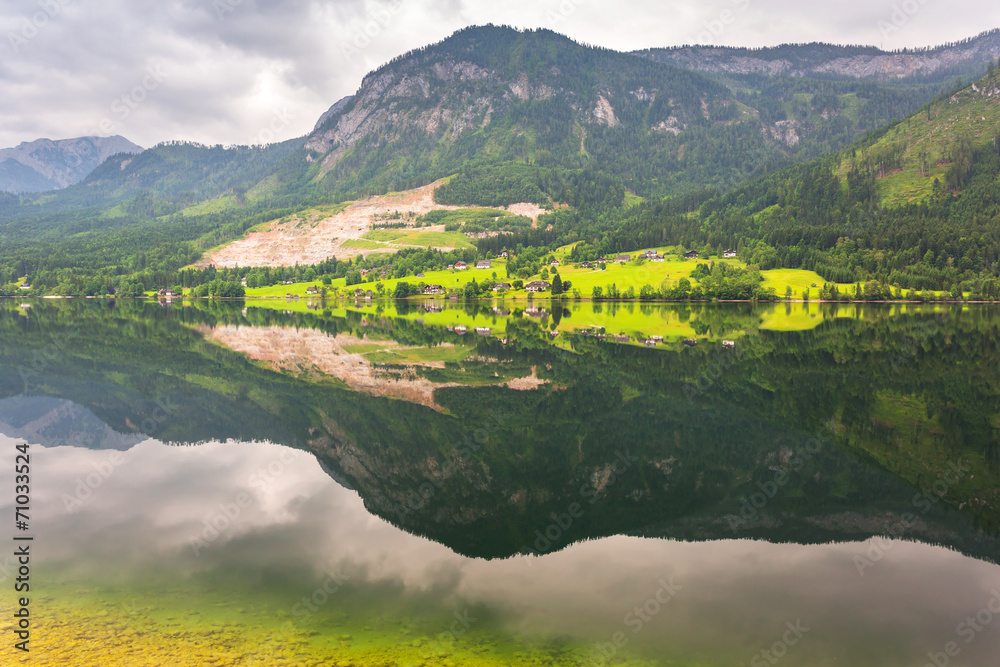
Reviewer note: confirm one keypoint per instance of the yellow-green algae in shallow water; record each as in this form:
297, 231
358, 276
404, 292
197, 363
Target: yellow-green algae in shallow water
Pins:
191, 621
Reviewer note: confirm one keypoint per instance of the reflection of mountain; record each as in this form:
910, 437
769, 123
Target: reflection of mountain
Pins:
53, 422
498, 468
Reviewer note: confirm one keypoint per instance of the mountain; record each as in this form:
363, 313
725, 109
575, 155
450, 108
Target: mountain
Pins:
624, 151
915, 204
490, 101
44, 164
965, 58
494, 95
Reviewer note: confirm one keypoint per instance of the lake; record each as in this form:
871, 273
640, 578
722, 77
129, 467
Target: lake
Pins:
338, 482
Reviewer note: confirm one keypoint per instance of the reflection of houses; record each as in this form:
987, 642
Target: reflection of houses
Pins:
484, 264
649, 342
501, 286
553, 333
535, 312
690, 342
461, 330
433, 289
503, 312
622, 338
656, 339
312, 305
691, 254
432, 308
537, 286
729, 254
730, 344
312, 289
461, 266
483, 331
623, 259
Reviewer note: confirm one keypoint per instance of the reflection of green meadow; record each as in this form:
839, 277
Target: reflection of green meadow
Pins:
638, 320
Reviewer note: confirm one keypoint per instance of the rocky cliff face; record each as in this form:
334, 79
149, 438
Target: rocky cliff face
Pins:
503, 92
44, 164
964, 58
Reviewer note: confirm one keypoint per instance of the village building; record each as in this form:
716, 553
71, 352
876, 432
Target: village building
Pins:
537, 286
434, 289
501, 286
729, 254
312, 289
691, 254
623, 259
484, 264
461, 266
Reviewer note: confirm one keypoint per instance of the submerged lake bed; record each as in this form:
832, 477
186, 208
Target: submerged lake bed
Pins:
563, 483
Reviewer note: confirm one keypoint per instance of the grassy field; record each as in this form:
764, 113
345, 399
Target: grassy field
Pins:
415, 237
799, 280
623, 275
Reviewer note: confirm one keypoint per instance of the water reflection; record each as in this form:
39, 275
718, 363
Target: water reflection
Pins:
751, 456
733, 598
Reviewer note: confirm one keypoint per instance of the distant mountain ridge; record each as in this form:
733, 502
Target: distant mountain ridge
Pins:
44, 164
965, 58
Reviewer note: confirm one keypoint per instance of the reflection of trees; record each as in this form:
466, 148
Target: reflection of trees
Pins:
901, 406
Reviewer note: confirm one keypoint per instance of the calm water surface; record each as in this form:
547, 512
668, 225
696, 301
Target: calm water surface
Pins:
401, 484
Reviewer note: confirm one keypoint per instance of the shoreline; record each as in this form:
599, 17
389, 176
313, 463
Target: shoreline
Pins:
464, 299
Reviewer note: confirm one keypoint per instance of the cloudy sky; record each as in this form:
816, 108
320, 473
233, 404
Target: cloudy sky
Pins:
247, 71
